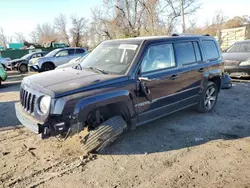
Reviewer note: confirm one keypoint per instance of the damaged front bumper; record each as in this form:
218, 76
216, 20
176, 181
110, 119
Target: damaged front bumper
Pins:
27, 120
45, 129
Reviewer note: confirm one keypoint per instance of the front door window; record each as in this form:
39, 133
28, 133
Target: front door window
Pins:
157, 57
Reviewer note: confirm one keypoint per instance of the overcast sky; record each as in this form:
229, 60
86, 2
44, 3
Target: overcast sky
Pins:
24, 15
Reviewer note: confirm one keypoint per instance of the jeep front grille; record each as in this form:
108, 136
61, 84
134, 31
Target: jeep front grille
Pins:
27, 100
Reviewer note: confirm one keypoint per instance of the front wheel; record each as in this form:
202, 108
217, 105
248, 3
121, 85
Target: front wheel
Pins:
47, 67
104, 134
208, 98
23, 68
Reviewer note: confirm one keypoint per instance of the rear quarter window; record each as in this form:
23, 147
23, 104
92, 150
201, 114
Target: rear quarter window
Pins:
211, 50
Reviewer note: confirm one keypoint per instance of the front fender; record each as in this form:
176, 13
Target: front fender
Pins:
86, 105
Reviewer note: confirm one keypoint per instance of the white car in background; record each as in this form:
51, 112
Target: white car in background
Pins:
73, 62
5, 62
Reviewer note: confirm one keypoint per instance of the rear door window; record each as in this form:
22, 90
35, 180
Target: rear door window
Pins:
185, 53
211, 50
79, 51
71, 51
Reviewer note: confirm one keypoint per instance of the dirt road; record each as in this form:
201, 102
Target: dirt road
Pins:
186, 149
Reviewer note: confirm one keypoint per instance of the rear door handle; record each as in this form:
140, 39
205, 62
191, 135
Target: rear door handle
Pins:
201, 70
173, 77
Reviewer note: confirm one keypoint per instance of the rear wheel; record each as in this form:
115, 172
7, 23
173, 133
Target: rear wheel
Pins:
208, 98
47, 67
104, 134
23, 68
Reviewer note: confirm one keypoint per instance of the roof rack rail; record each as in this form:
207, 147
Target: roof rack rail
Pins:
175, 35
206, 35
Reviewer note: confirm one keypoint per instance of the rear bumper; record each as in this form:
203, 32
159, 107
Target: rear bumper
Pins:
27, 120
238, 70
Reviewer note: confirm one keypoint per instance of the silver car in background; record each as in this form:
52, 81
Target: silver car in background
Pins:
5, 62
56, 58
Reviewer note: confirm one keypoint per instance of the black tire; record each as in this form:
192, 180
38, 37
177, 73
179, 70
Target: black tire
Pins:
23, 68
47, 67
104, 134
0, 82
203, 102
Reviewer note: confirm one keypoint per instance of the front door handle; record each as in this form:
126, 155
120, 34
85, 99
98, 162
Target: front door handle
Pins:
146, 79
173, 77
201, 70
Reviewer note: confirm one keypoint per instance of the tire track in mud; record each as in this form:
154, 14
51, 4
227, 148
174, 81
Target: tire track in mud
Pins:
58, 169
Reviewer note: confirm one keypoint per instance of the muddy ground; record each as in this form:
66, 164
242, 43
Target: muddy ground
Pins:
186, 149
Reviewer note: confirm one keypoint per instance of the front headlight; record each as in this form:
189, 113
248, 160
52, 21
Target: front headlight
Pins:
45, 104
33, 62
245, 63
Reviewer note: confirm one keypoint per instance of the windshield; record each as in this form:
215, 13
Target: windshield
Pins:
52, 53
25, 56
111, 58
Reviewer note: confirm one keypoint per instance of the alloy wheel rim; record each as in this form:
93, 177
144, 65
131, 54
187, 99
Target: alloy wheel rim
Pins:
210, 98
23, 68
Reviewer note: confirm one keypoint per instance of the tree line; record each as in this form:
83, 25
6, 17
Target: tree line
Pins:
121, 19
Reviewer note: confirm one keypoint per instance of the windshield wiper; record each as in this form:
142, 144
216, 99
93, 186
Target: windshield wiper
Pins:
97, 69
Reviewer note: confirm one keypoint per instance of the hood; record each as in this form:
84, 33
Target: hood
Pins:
16, 60
67, 81
235, 57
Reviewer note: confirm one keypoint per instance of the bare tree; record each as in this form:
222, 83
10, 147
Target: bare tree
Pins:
19, 37
34, 37
78, 30
60, 24
170, 12
192, 27
3, 38
46, 33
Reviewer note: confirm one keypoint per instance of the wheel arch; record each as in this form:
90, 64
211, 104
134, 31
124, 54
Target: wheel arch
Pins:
215, 77
48, 62
115, 103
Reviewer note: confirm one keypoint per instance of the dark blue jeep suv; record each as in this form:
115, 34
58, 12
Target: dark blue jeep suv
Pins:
120, 85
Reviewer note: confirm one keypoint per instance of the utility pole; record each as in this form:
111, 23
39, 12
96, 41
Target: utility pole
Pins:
182, 17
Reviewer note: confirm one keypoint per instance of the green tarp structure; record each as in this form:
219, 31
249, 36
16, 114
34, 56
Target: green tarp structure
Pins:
15, 46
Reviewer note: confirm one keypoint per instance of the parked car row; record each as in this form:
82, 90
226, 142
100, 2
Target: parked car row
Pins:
56, 58
43, 61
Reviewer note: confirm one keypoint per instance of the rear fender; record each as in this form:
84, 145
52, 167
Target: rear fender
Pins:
210, 75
